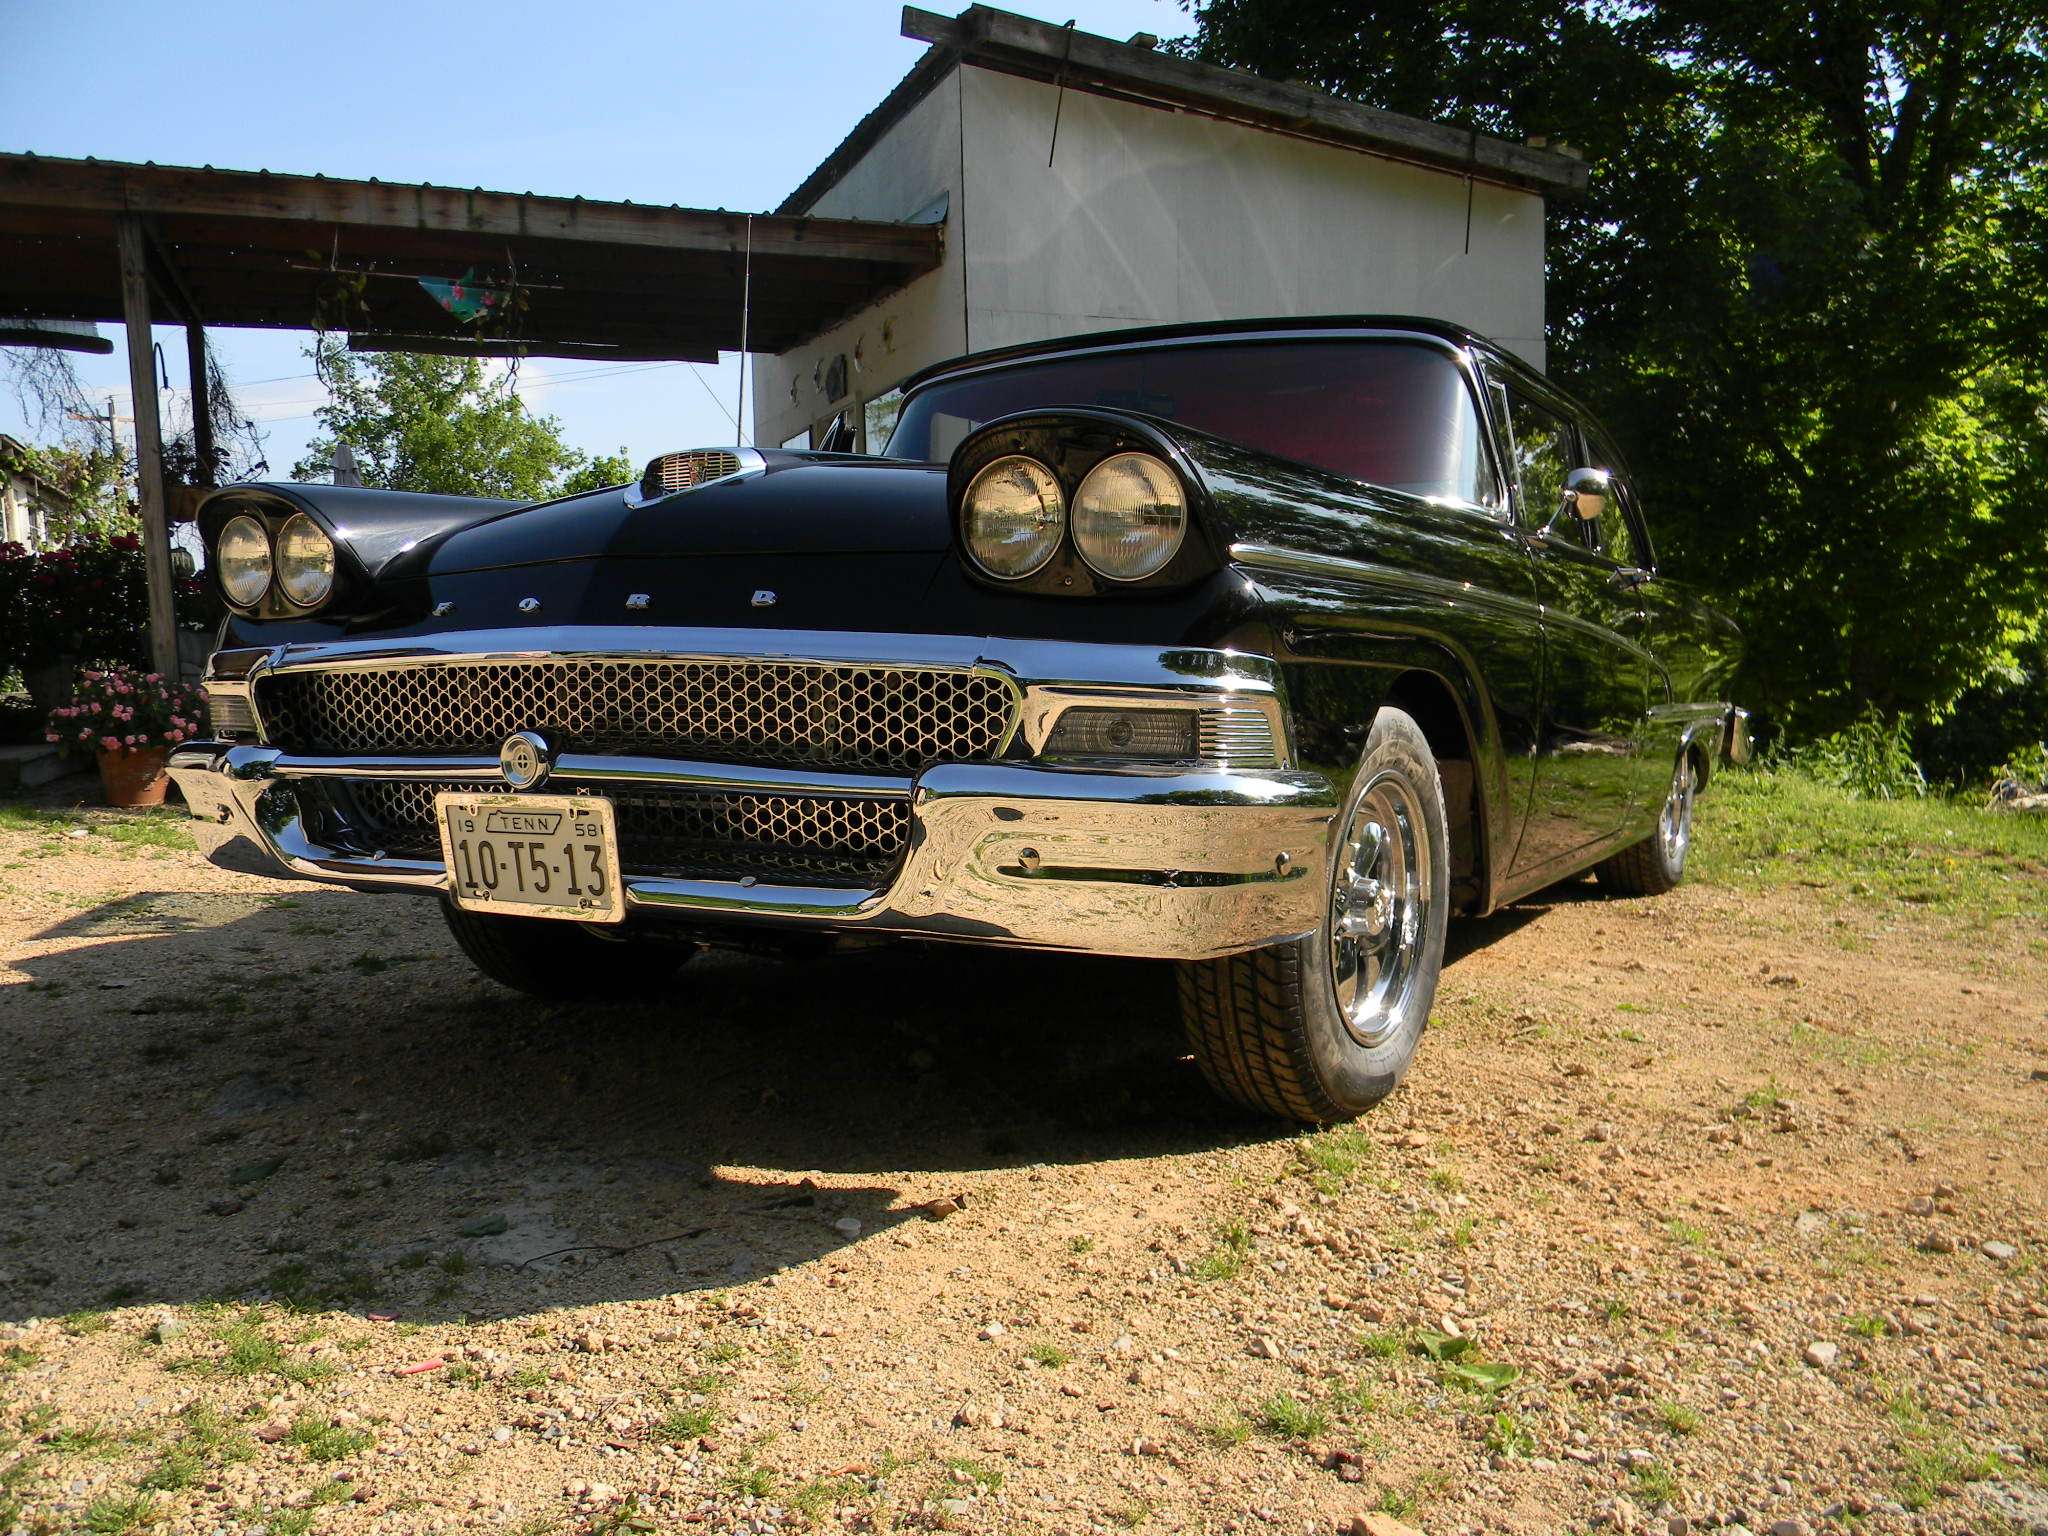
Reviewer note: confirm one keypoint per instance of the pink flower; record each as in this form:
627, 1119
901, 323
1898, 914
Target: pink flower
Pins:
111, 743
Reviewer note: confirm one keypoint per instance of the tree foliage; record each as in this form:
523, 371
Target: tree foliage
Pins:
421, 423
1808, 287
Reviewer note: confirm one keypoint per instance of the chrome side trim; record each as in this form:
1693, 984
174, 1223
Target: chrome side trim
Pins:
1432, 588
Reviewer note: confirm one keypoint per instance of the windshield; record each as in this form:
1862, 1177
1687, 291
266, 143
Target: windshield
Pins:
1395, 413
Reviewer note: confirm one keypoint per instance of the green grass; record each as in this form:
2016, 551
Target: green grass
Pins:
1676, 1418
322, 1441
1051, 1356
86, 1440
1383, 1346
116, 1514
78, 1324
1868, 1325
1926, 1468
820, 1495
749, 1478
1656, 1485
975, 1472
1765, 827
1286, 1419
1330, 1158
1510, 1435
1080, 1245
1226, 1261
1689, 1233
1227, 1430
685, 1424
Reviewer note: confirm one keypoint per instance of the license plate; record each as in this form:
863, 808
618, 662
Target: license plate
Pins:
533, 855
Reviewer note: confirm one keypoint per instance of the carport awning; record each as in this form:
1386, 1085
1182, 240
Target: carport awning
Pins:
573, 277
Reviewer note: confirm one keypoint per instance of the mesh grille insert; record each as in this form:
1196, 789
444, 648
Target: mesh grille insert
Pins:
823, 840
873, 718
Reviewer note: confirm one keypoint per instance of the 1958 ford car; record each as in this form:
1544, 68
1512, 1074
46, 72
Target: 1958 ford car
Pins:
1263, 647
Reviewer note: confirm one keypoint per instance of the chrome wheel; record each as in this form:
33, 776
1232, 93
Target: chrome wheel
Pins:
1674, 823
1379, 911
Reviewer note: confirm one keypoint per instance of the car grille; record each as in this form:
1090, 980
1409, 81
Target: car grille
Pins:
872, 718
817, 839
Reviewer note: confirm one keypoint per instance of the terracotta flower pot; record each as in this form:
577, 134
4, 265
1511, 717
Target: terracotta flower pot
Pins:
135, 778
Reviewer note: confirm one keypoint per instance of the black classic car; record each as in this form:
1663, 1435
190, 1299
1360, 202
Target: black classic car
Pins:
1263, 647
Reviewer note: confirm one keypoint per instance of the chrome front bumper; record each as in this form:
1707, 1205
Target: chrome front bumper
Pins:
1180, 862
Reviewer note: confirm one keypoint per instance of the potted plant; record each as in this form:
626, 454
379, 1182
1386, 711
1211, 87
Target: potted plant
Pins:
129, 719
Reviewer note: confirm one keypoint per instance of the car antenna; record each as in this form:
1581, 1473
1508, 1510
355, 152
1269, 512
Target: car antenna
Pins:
739, 414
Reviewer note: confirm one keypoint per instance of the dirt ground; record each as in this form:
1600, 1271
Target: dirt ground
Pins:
1712, 1210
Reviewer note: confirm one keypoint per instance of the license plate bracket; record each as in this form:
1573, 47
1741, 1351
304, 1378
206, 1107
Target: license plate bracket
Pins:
532, 855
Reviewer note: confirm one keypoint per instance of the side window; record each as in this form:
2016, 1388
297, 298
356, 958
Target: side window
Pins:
1544, 450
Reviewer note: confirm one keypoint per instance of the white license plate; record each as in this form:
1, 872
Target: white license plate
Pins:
533, 855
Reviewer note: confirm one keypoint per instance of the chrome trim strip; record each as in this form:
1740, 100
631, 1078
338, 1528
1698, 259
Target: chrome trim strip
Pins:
599, 770
1435, 588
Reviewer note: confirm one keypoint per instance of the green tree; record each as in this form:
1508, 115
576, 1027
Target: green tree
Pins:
1808, 287
421, 423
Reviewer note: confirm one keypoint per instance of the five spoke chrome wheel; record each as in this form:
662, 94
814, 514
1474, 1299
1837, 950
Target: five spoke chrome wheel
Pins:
1379, 910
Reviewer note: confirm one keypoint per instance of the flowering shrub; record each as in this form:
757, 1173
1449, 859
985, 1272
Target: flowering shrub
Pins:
88, 598
124, 710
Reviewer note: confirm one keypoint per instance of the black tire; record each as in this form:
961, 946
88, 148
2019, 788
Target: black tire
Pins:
1657, 863
1279, 1029
564, 962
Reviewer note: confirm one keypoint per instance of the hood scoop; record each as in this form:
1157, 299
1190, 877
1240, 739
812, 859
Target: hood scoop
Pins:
674, 473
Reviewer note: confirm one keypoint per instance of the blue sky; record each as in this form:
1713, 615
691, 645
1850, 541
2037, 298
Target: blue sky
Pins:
714, 106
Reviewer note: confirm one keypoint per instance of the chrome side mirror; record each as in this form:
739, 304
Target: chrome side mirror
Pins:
1585, 497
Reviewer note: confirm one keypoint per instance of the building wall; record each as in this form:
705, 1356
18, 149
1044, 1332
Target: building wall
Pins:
1150, 217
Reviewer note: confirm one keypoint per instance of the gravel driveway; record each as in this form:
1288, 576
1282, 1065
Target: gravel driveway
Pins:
1713, 1209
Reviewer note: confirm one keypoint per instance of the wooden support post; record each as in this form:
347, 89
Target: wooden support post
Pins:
202, 406
149, 448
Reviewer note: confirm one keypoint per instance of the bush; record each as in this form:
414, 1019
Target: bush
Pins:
1872, 759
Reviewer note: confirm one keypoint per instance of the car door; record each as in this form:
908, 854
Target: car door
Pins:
1596, 675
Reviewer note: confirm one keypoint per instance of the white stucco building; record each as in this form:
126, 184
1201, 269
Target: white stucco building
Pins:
27, 501
1085, 185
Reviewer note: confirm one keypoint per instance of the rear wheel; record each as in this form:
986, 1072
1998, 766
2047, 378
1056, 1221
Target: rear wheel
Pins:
1323, 1028
564, 962
1657, 863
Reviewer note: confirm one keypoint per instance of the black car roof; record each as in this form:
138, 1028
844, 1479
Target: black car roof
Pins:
1088, 341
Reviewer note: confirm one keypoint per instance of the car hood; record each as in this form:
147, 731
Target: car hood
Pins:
796, 504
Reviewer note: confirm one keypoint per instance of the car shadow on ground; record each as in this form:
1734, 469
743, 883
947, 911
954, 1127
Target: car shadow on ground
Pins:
312, 1096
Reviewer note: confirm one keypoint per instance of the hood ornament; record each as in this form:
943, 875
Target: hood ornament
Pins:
763, 598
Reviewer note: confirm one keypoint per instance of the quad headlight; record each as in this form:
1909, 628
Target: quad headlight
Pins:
1130, 516
305, 561
1013, 516
243, 562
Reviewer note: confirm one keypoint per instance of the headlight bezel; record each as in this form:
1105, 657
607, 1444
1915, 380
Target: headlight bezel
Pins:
1070, 443
273, 510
